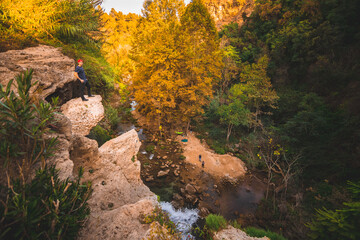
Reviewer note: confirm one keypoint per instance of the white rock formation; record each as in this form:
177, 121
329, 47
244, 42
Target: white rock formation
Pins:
52, 69
120, 198
231, 233
84, 115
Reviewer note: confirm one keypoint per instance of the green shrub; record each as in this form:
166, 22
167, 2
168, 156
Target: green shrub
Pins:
182, 157
235, 224
215, 222
45, 208
150, 148
99, 134
218, 149
158, 215
340, 223
257, 232
24, 120
112, 116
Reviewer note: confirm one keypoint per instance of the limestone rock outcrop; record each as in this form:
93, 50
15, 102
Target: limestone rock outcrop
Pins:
120, 198
83, 150
84, 115
52, 70
231, 233
73, 148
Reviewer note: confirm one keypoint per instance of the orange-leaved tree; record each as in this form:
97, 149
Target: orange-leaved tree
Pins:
176, 61
118, 31
201, 59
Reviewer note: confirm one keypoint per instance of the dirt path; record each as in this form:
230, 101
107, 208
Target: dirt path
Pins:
215, 164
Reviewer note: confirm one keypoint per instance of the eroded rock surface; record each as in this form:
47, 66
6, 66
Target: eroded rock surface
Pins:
120, 198
52, 69
231, 233
84, 115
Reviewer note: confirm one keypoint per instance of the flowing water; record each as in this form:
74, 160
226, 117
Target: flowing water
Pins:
183, 218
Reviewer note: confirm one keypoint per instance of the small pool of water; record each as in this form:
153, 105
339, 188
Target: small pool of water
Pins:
233, 200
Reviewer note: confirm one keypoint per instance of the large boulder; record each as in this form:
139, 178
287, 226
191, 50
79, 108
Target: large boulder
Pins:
84, 115
52, 70
231, 233
120, 198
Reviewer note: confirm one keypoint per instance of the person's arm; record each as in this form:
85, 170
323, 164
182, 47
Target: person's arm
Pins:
77, 76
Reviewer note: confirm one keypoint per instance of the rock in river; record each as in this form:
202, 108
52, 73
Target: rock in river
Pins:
163, 173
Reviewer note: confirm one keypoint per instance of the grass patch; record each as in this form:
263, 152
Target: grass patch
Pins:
215, 222
257, 232
150, 148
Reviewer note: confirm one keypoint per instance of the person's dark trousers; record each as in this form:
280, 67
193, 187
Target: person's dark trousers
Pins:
87, 84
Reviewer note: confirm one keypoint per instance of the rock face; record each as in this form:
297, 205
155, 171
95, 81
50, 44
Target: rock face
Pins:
120, 198
83, 115
227, 11
52, 70
231, 233
83, 151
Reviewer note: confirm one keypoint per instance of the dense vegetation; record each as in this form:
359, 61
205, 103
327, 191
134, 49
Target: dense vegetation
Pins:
280, 91
308, 143
40, 207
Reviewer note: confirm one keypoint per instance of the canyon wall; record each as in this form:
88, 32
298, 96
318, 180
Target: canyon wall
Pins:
227, 11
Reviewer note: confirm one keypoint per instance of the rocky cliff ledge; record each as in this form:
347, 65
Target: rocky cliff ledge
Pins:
83, 115
52, 70
119, 197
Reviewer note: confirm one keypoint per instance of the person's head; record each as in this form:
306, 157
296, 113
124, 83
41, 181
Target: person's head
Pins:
80, 62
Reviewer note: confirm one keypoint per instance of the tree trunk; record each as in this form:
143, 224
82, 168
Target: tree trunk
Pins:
268, 184
188, 127
256, 119
229, 132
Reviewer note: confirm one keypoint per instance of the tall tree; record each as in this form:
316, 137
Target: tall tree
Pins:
176, 64
234, 112
257, 87
201, 58
156, 80
118, 31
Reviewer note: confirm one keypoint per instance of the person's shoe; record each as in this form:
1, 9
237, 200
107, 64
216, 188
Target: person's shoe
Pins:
84, 99
91, 96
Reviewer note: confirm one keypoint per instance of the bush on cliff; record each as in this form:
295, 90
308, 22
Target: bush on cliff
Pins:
45, 208
42, 207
